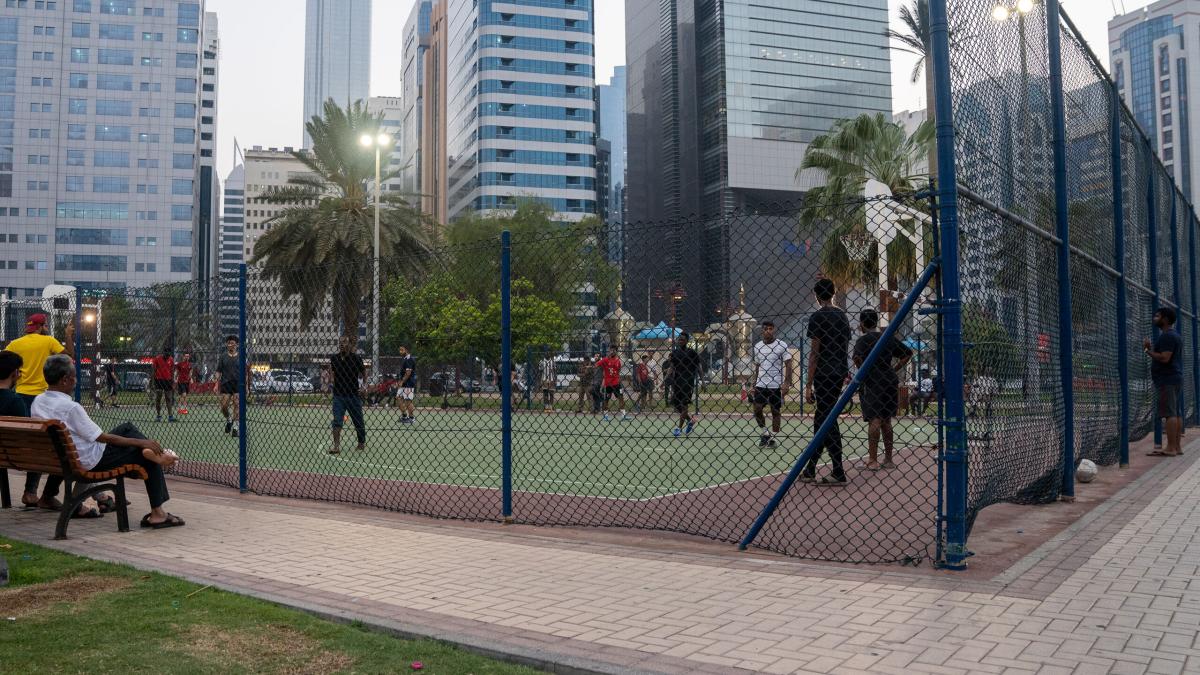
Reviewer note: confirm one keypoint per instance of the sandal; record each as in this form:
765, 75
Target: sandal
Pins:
873, 466
889, 465
52, 505
1157, 453
171, 521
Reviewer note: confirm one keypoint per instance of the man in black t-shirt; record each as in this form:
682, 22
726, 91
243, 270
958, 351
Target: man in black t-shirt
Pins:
683, 367
408, 386
829, 331
1166, 371
348, 370
230, 384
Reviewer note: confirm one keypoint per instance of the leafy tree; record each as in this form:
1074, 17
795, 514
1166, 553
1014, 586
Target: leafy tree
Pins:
321, 246
990, 351
558, 260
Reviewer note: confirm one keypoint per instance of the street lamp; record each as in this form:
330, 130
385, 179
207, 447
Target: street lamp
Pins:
379, 142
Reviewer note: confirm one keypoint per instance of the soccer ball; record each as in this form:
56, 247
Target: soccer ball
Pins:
1086, 472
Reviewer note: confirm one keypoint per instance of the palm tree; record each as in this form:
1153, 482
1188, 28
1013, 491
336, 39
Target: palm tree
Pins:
915, 37
856, 150
320, 247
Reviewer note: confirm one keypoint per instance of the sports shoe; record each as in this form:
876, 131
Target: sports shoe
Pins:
228, 426
626, 417
170, 418
234, 432
675, 432
805, 478
158, 418
606, 418
830, 481
764, 440
690, 425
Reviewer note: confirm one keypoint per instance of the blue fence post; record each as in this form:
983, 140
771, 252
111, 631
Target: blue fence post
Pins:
506, 379
1195, 313
1114, 136
1176, 284
953, 422
78, 346
1152, 259
243, 423
1063, 230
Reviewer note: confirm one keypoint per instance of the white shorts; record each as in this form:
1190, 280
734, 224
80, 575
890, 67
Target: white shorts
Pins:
405, 393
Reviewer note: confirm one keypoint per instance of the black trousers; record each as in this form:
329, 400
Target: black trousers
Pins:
32, 479
826, 391
120, 455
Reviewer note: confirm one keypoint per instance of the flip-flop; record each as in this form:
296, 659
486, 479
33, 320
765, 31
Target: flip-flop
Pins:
1157, 453
873, 468
55, 505
171, 521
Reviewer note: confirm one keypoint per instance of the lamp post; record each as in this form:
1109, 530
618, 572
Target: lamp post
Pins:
379, 142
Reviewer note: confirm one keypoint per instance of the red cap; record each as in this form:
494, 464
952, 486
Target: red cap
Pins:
35, 322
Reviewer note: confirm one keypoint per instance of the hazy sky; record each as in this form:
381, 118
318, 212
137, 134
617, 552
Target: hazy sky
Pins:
262, 61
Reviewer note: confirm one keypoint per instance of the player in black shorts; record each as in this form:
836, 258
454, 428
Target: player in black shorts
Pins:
229, 384
683, 368
880, 393
772, 381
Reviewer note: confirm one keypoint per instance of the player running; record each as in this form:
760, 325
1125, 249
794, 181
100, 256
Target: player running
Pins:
408, 386
772, 380
683, 369
610, 367
164, 385
183, 381
229, 384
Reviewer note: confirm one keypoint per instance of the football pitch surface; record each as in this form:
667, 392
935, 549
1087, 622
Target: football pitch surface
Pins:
553, 453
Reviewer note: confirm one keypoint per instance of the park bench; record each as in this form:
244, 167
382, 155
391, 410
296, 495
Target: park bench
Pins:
44, 446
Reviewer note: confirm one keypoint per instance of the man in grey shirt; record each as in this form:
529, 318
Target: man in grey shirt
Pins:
229, 384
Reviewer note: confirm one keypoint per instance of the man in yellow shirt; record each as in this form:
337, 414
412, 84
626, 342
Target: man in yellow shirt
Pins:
35, 347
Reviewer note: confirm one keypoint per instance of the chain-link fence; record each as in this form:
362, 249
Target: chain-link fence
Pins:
1016, 73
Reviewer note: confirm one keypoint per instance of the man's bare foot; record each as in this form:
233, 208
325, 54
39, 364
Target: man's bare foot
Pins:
889, 464
873, 465
29, 499
166, 459
361, 446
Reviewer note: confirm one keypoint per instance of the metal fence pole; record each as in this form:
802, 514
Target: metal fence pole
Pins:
1114, 135
1152, 260
506, 379
78, 322
244, 389
1063, 230
1195, 314
953, 423
1176, 284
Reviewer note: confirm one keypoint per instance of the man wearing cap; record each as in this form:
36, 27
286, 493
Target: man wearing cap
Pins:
34, 348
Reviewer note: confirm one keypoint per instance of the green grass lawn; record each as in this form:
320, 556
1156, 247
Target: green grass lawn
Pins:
553, 453
75, 615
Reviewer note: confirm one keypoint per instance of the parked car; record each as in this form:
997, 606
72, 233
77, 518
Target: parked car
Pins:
136, 380
294, 383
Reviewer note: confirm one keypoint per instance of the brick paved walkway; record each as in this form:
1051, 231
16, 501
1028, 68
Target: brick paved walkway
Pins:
1119, 592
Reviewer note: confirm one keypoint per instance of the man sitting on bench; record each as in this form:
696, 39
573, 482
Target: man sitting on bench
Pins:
99, 451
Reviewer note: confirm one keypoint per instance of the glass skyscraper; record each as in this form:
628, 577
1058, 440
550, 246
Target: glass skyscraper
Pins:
520, 112
337, 55
102, 112
1151, 57
612, 129
723, 97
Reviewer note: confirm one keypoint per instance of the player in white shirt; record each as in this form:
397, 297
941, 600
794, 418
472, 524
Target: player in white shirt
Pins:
772, 380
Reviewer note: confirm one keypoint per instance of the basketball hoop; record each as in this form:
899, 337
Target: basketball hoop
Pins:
858, 245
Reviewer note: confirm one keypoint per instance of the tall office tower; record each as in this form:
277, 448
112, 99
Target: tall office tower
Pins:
208, 193
519, 108
1152, 62
416, 42
232, 244
391, 109
100, 118
723, 96
612, 129
337, 55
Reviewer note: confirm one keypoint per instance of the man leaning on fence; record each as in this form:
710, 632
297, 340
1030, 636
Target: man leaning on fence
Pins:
829, 330
1166, 369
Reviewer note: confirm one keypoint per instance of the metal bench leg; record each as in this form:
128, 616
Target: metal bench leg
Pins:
122, 507
69, 504
5, 498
